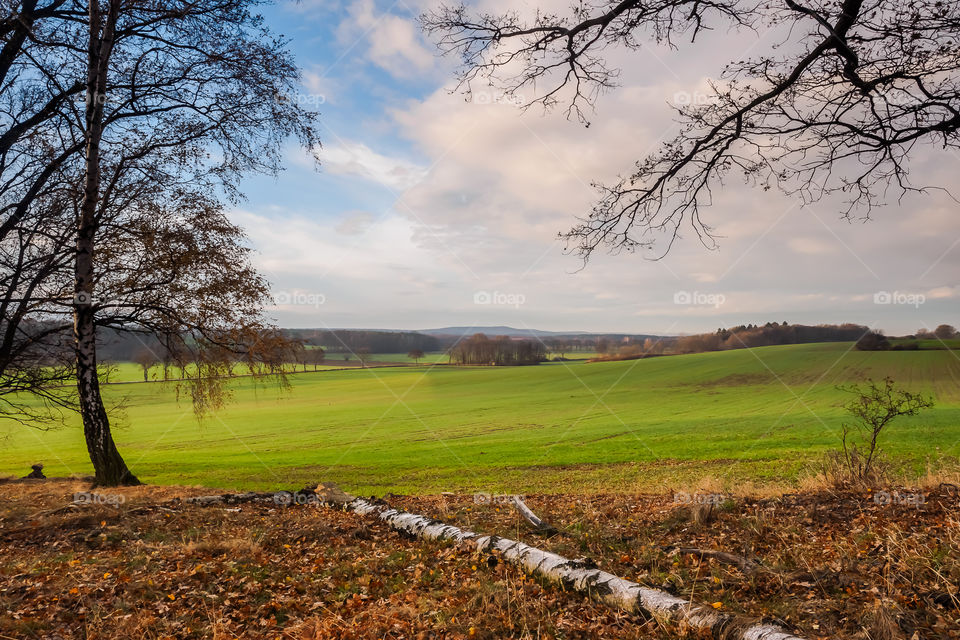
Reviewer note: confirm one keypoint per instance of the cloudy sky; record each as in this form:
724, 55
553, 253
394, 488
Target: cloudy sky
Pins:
430, 209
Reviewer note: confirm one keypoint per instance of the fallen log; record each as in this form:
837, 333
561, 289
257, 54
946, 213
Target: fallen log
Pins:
539, 526
581, 576
578, 575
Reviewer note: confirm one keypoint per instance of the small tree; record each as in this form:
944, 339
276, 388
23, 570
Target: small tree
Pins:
298, 354
363, 354
873, 341
316, 356
945, 332
146, 359
560, 347
603, 345
415, 354
873, 408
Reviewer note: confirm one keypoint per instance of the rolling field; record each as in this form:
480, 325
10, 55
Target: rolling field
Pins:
763, 415
130, 372
428, 358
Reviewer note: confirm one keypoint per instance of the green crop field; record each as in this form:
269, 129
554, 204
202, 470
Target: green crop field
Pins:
763, 415
428, 358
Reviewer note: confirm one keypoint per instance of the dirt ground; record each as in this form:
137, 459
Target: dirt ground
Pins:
138, 563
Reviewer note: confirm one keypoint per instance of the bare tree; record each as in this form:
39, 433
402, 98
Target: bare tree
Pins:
415, 355
875, 406
603, 345
838, 108
363, 355
181, 99
146, 358
315, 356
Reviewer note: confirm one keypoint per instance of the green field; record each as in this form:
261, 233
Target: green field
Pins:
428, 358
761, 415
122, 372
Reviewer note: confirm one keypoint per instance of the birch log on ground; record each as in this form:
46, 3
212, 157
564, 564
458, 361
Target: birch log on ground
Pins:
539, 526
577, 575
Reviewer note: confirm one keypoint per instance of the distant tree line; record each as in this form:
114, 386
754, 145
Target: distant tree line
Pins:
739, 337
876, 341
769, 334
355, 341
179, 358
498, 351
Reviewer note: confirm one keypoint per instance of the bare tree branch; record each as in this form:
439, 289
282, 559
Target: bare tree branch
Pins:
866, 83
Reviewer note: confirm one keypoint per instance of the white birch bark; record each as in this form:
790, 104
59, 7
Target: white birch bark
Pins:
575, 575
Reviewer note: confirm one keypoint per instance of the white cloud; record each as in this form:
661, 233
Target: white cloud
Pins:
392, 42
940, 293
502, 183
812, 246
354, 158
321, 89
355, 223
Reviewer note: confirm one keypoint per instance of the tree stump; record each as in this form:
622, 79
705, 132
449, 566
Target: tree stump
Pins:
37, 473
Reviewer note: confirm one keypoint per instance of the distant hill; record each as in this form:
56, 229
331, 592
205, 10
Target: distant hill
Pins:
498, 331
513, 332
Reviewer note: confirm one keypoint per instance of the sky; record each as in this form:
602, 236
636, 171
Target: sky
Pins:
431, 208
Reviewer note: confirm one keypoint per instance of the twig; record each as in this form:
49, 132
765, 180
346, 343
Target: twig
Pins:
745, 564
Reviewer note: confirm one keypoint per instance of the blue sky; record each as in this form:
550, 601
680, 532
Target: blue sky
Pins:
430, 209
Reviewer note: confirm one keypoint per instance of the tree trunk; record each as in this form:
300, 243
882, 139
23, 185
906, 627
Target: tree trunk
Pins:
109, 467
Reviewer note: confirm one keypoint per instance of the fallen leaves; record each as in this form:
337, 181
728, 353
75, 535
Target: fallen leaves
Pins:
307, 573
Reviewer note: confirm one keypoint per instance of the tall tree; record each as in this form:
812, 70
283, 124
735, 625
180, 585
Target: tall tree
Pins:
182, 99
838, 108
108, 465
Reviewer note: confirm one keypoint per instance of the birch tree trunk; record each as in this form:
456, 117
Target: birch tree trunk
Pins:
109, 467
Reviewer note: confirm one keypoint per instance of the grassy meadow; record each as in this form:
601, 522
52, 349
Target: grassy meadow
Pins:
763, 415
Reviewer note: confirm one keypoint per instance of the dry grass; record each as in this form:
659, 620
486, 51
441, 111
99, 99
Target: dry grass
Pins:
834, 564
233, 547
139, 570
